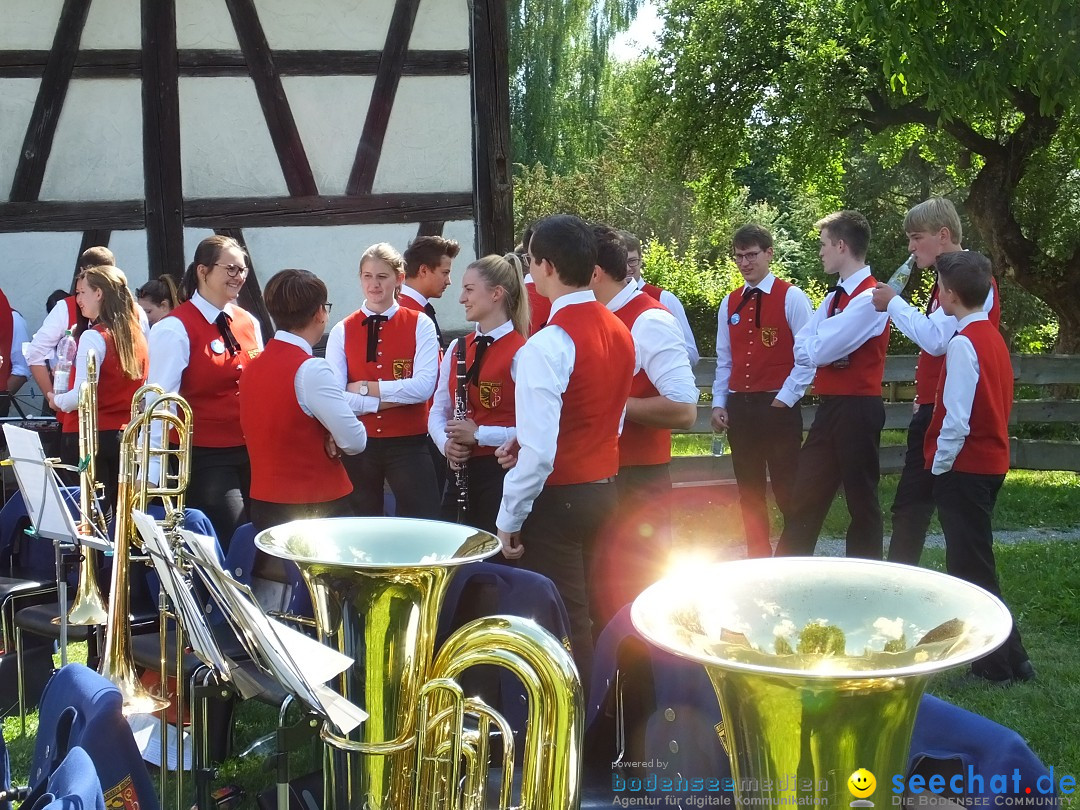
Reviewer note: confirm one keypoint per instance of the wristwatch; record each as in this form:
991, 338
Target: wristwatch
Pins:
364, 388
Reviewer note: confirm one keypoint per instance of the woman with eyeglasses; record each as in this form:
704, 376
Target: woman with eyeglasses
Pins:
200, 350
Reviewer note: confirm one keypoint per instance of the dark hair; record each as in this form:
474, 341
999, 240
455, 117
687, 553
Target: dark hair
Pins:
96, 257
55, 297
631, 242
610, 252
206, 254
569, 244
293, 297
752, 235
161, 290
967, 274
428, 250
850, 227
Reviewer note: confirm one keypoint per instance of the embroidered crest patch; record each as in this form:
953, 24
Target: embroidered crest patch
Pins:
403, 369
490, 394
769, 336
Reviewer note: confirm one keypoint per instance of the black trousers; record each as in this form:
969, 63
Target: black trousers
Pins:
559, 538
485, 479
220, 486
840, 450
404, 463
913, 505
265, 514
965, 504
763, 439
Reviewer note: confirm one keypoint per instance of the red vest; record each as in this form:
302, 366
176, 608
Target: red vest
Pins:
7, 330
397, 352
408, 302
652, 290
69, 420
595, 396
761, 356
209, 382
539, 308
491, 396
928, 368
115, 389
641, 444
866, 365
285, 445
986, 448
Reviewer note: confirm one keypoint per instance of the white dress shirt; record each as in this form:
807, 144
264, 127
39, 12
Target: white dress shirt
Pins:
797, 311
961, 378
442, 409
675, 307
42, 348
824, 340
91, 339
420, 298
20, 336
319, 395
932, 332
410, 391
659, 348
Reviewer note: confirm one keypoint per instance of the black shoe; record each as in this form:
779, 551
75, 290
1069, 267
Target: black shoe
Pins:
1024, 672
988, 680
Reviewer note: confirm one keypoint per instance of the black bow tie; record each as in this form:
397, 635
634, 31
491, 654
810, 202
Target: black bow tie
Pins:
373, 322
231, 343
839, 293
748, 294
482, 344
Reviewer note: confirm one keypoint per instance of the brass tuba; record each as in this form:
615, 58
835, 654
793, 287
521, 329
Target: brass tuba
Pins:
378, 585
819, 663
88, 607
152, 410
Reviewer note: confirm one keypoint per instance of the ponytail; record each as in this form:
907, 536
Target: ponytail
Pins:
498, 271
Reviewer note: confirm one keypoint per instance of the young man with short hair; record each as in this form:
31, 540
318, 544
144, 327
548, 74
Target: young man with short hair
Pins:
758, 385
427, 275
967, 444
665, 297
933, 229
845, 340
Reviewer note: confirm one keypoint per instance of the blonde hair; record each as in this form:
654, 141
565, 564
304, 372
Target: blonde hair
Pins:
498, 271
386, 253
118, 314
930, 216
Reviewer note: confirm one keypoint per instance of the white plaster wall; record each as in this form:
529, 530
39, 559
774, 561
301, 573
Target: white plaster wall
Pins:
329, 113
441, 25
29, 24
205, 24
129, 247
35, 264
17, 98
428, 145
354, 25
114, 24
225, 146
97, 156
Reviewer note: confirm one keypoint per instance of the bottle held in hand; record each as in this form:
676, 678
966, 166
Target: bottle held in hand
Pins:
719, 443
899, 279
65, 362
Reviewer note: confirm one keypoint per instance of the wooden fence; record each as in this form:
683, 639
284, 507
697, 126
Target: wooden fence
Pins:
898, 390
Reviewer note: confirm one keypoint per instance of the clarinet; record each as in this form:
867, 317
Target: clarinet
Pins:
461, 412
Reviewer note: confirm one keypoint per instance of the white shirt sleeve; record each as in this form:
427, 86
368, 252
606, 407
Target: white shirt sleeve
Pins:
541, 372
170, 353
657, 338
339, 367
722, 382
961, 377
825, 340
43, 344
421, 385
19, 336
931, 333
442, 409
320, 396
798, 311
91, 339
675, 307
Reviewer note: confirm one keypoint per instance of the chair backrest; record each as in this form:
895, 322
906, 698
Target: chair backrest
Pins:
81, 708
33, 555
5, 772
276, 583
74, 785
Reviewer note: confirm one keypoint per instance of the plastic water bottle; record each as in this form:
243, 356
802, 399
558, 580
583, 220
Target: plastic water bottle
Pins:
899, 279
65, 361
719, 443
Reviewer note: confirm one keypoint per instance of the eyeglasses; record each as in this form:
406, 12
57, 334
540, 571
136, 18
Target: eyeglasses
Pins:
328, 306
740, 258
634, 262
234, 270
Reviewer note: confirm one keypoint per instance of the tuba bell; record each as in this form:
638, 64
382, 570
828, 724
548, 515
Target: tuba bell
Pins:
819, 663
377, 585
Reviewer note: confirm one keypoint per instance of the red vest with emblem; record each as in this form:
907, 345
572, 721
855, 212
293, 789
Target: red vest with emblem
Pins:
539, 308
866, 365
115, 389
209, 382
396, 355
595, 396
986, 448
491, 395
69, 421
7, 330
928, 368
640, 444
761, 357
652, 290
285, 445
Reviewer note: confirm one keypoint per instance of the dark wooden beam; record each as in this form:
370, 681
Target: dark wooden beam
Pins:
55, 78
251, 297
491, 139
370, 209
43, 216
368, 152
161, 139
275, 105
430, 228
94, 238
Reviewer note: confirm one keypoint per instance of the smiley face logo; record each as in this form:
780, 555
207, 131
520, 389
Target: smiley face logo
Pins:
862, 784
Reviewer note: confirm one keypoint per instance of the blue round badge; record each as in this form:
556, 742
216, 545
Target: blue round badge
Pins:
217, 347
734, 320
